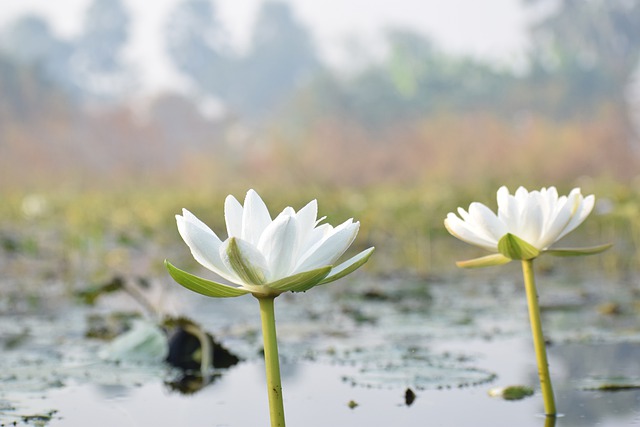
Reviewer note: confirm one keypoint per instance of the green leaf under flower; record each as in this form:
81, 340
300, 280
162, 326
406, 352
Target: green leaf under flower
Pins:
349, 266
514, 247
302, 281
591, 250
203, 286
485, 261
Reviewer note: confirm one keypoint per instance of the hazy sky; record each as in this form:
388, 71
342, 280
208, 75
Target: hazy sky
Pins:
488, 28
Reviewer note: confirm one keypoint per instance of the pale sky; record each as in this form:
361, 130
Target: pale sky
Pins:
489, 28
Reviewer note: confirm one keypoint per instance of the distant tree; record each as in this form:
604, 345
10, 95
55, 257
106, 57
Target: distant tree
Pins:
588, 50
98, 62
29, 42
412, 80
281, 59
197, 45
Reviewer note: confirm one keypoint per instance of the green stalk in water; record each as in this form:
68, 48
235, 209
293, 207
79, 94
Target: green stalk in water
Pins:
538, 338
271, 360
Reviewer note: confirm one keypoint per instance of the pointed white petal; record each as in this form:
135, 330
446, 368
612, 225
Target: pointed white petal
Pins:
204, 244
462, 231
503, 197
583, 209
255, 217
288, 211
556, 223
278, 244
509, 212
306, 219
531, 225
485, 222
313, 238
233, 216
188, 216
328, 250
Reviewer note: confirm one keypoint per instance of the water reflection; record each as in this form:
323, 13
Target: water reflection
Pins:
590, 366
191, 383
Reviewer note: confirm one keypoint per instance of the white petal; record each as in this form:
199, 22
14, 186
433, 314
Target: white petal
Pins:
188, 216
584, 208
509, 212
278, 244
233, 216
461, 230
521, 195
204, 244
328, 250
255, 217
531, 225
313, 237
555, 225
306, 219
502, 196
485, 222
251, 259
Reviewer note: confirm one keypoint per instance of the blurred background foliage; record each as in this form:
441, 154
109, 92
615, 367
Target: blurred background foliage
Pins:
397, 141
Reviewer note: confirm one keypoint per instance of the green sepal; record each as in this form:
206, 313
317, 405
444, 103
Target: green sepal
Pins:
349, 266
245, 270
591, 250
514, 247
302, 281
203, 286
485, 261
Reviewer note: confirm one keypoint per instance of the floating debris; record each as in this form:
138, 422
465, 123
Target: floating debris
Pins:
514, 392
613, 384
39, 419
409, 397
610, 309
352, 404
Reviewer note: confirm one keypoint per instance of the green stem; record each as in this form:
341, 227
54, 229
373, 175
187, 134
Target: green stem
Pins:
272, 363
538, 338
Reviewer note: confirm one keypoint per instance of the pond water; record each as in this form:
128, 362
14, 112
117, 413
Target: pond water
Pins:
350, 351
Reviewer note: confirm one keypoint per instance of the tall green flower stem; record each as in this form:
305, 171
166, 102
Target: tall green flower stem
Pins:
272, 363
538, 338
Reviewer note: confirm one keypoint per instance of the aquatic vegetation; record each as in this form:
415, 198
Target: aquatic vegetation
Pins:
526, 225
513, 392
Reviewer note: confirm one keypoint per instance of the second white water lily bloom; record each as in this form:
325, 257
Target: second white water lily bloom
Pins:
265, 256
526, 225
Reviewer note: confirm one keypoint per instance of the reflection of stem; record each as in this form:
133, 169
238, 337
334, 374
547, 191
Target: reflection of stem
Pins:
206, 361
272, 363
538, 338
140, 298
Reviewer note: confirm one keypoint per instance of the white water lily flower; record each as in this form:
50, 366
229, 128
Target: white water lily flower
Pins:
526, 225
266, 256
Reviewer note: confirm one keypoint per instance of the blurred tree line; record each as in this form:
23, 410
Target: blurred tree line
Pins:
581, 64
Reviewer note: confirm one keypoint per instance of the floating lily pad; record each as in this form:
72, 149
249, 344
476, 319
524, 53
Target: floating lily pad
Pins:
612, 384
418, 368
